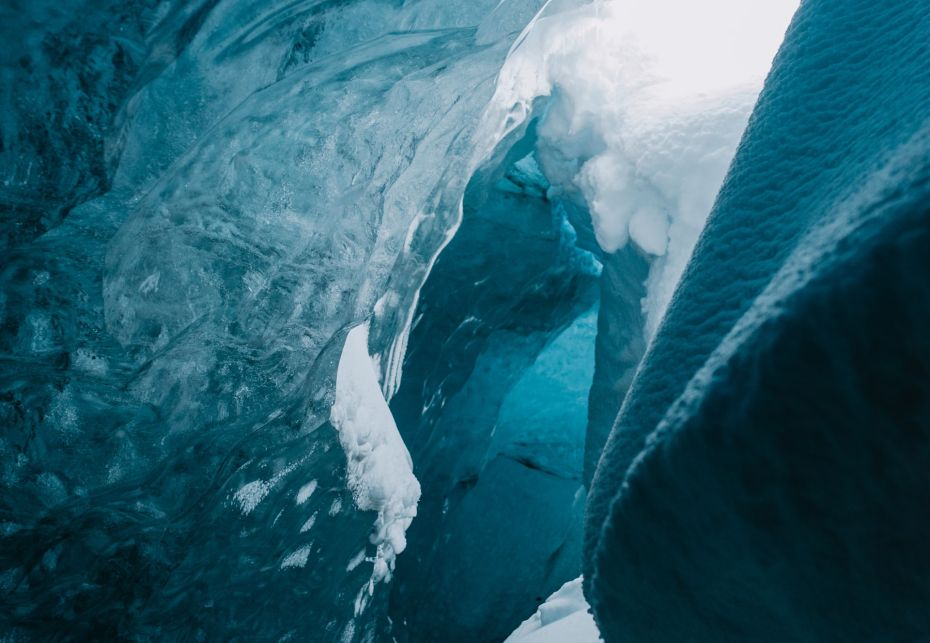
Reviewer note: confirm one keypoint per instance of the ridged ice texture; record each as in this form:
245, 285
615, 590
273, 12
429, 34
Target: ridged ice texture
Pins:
273, 174
782, 494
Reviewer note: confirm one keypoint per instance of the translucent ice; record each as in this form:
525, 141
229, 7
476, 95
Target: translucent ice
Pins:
205, 197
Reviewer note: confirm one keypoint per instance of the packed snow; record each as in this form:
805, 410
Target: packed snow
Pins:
305, 492
250, 495
379, 468
564, 617
297, 558
647, 103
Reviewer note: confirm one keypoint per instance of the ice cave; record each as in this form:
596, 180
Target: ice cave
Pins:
440, 321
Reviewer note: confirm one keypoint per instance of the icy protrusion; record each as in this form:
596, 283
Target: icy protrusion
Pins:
336, 507
356, 560
307, 526
647, 101
379, 468
565, 616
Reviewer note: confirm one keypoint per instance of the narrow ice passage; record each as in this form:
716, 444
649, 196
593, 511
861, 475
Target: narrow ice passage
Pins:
316, 315
635, 157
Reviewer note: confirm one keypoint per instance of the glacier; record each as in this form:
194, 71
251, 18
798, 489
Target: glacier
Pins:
378, 320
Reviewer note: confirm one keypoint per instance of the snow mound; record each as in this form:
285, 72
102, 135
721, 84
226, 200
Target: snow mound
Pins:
563, 617
647, 101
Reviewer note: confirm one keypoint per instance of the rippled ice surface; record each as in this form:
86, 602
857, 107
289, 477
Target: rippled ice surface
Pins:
268, 176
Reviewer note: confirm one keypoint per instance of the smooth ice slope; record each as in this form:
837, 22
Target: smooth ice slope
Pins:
782, 491
493, 408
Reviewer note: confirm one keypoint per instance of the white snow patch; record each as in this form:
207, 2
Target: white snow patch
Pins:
150, 283
348, 634
648, 100
563, 617
307, 526
297, 558
356, 561
305, 492
379, 468
251, 494
336, 507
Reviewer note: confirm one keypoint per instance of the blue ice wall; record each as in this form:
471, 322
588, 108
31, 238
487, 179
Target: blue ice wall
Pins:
68, 69
766, 477
493, 406
199, 200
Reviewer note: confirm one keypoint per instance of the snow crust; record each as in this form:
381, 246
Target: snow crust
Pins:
379, 468
297, 558
647, 100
